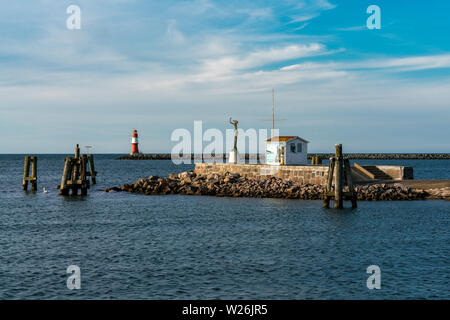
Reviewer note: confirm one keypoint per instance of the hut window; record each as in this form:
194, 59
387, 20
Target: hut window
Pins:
299, 147
292, 147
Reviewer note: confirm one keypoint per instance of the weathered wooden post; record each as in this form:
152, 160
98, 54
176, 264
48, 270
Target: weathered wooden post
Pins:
327, 197
76, 171
83, 164
338, 200
75, 175
342, 175
63, 190
33, 173
26, 173
349, 182
92, 171
77, 151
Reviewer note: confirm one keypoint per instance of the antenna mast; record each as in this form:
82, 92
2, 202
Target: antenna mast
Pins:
273, 113
273, 110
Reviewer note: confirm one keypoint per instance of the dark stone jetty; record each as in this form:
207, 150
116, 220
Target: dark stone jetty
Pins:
234, 185
168, 156
354, 156
387, 156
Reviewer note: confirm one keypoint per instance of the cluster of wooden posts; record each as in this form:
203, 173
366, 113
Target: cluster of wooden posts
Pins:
77, 171
79, 168
343, 176
316, 160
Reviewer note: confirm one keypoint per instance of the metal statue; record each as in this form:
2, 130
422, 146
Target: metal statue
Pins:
235, 124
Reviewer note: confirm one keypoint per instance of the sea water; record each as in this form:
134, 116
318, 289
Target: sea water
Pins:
131, 246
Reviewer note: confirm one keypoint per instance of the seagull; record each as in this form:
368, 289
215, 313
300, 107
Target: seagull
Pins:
44, 190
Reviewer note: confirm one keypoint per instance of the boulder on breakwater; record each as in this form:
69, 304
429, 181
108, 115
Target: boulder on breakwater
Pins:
234, 185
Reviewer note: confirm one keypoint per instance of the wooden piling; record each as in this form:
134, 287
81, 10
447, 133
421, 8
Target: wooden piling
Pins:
315, 160
349, 182
33, 173
77, 151
75, 171
331, 173
92, 171
83, 164
340, 170
75, 174
338, 200
26, 173
30, 161
348, 174
327, 197
63, 190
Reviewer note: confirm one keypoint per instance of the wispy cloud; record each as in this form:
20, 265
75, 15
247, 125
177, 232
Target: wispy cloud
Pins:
304, 18
173, 62
308, 10
302, 26
354, 28
403, 64
263, 57
260, 13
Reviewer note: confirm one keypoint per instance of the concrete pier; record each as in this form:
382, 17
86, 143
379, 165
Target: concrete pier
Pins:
313, 174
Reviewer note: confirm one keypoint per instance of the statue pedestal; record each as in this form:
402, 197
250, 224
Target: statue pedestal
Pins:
233, 156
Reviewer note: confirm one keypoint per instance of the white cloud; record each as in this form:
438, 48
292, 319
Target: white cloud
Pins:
354, 28
402, 64
261, 58
303, 18
216, 71
417, 63
303, 26
260, 13
308, 10
324, 4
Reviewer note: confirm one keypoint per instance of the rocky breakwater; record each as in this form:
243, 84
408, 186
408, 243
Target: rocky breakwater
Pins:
151, 156
439, 193
384, 192
234, 185
386, 156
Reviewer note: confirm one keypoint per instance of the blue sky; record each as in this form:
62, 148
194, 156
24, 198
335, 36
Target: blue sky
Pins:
159, 65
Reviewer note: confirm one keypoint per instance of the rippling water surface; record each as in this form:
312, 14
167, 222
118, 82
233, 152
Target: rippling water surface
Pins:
187, 247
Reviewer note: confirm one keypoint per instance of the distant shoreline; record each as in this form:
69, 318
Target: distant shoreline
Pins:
361, 156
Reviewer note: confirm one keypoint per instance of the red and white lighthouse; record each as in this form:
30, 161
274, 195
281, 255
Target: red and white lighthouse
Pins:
134, 143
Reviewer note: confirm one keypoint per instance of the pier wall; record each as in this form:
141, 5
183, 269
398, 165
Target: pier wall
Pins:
314, 174
398, 172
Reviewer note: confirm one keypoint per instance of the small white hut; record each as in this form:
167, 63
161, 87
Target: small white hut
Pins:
286, 150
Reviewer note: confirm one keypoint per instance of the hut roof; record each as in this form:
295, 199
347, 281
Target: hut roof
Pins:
285, 138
